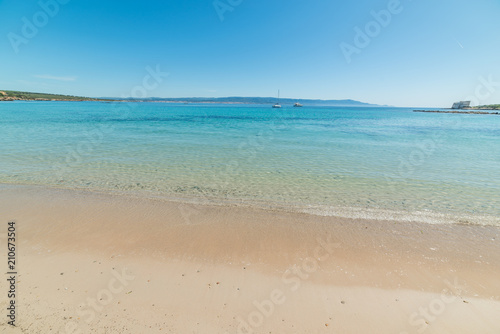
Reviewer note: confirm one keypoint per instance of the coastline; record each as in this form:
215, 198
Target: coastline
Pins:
220, 260
9, 96
322, 210
463, 111
231, 167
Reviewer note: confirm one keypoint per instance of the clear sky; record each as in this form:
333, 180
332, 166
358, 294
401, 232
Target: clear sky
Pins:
428, 53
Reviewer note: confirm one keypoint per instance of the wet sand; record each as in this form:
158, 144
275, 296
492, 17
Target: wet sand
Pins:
99, 263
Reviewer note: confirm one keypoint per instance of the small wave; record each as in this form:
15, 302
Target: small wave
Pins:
429, 217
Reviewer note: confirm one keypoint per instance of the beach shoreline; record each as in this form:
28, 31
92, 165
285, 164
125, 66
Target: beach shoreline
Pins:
347, 212
209, 269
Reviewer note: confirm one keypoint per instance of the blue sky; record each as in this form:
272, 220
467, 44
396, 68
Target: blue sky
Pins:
428, 53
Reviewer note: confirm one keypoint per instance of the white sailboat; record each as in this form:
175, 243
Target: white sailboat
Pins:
277, 104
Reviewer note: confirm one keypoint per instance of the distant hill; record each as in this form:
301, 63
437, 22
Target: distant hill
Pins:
255, 100
487, 107
10, 95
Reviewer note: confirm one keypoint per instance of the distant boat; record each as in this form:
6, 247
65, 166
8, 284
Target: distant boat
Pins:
298, 105
277, 104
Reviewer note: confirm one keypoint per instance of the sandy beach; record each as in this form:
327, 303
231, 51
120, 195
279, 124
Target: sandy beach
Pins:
99, 263
246, 167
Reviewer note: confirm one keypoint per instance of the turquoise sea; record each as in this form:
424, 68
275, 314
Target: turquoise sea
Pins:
388, 163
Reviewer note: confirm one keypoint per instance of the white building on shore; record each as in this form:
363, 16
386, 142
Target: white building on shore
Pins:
461, 105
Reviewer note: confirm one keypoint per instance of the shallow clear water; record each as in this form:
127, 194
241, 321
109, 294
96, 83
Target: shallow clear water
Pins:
324, 157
